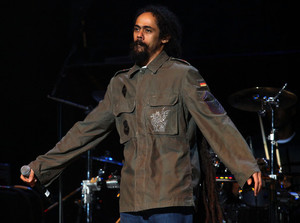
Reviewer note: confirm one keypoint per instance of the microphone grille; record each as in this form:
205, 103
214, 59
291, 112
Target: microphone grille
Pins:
25, 171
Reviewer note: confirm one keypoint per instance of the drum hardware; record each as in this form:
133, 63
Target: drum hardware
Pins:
92, 185
89, 187
96, 184
271, 103
222, 172
261, 100
252, 99
113, 182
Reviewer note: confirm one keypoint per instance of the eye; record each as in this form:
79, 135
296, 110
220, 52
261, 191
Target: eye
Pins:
148, 30
136, 29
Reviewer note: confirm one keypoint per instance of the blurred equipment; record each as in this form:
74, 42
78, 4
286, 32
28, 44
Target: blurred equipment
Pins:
20, 204
5, 175
223, 174
273, 198
95, 197
254, 99
107, 159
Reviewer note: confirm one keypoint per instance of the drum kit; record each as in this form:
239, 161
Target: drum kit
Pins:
274, 202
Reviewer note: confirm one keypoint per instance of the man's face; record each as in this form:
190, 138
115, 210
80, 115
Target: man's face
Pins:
147, 43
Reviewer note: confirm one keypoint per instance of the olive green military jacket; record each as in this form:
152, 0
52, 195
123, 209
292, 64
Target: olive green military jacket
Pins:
154, 109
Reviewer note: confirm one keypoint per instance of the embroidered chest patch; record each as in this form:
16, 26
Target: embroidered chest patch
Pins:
159, 120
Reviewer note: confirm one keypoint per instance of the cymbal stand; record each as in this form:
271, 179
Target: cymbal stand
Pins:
273, 102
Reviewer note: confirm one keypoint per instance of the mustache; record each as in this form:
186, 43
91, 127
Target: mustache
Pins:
139, 43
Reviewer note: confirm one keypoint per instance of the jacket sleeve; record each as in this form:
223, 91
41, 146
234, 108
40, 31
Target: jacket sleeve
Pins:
217, 127
84, 135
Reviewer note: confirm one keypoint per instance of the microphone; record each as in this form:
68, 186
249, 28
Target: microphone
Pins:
25, 171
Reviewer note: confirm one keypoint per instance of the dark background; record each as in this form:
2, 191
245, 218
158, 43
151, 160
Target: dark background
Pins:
71, 49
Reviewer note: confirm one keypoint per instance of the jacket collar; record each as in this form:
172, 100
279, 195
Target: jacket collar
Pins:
153, 66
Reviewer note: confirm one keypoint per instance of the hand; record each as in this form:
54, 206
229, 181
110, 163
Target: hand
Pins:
257, 182
31, 180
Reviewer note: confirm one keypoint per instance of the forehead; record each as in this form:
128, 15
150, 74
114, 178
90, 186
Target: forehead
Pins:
146, 19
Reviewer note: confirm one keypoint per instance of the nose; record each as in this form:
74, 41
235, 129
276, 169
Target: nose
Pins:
140, 35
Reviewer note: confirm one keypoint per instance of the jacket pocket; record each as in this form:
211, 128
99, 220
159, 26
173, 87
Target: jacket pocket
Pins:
124, 116
161, 114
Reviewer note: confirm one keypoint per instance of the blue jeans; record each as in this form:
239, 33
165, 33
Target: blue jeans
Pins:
157, 216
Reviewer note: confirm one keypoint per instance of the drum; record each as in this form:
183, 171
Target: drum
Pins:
261, 200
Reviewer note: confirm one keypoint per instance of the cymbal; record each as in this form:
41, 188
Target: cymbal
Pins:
252, 99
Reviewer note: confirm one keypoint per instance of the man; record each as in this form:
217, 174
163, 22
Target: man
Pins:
156, 107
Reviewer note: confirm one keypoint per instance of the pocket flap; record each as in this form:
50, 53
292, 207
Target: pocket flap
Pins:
124, 107
163, 100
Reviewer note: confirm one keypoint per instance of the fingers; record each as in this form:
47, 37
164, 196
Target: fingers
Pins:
249, 181
256, 177
31, 180
257, 182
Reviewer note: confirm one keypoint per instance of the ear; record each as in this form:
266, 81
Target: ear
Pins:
165, 39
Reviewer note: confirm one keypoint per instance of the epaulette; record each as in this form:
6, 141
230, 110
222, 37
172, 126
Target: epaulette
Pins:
121, 71
180, 60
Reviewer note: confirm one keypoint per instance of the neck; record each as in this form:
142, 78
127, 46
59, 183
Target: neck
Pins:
153, 56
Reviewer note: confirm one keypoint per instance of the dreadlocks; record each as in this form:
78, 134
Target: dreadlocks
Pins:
210, 200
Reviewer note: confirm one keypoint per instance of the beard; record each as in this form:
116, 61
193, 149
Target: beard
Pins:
140, 56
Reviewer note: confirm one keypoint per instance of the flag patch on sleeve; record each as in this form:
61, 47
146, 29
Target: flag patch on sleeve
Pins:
202, 83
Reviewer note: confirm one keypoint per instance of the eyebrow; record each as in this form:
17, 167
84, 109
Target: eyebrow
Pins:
144, 27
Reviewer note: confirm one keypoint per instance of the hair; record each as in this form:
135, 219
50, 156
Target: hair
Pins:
210, 207
168, 25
